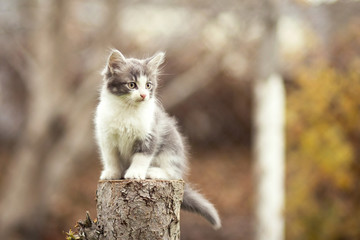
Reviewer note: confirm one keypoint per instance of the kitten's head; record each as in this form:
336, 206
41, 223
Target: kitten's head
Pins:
134, 80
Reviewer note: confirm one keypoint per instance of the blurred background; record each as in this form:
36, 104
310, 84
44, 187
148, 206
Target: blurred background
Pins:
51, 56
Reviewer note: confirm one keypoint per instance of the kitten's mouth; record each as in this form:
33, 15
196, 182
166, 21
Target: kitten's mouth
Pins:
139, 100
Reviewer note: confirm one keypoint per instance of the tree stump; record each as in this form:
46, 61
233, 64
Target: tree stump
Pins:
139, 209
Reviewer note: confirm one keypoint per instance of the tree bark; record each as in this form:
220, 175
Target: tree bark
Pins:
146, 209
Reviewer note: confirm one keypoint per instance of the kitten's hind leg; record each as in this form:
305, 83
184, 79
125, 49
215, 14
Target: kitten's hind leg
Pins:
173, 166
156, 173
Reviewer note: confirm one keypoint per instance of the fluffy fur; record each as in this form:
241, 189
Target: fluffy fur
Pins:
136, 137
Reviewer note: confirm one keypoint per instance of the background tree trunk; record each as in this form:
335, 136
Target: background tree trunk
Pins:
148, 209
269, 147
57, 134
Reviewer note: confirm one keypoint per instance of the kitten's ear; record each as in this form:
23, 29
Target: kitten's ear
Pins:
115, 62
155, 61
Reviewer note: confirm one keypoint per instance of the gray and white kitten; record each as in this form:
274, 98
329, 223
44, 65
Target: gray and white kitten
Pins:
136, 137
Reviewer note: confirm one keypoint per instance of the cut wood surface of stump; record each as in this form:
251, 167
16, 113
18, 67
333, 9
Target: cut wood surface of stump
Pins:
140, 209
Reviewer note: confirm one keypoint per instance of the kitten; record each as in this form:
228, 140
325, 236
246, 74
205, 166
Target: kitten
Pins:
136, 137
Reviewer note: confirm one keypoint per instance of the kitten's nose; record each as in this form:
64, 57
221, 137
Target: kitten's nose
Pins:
143, 96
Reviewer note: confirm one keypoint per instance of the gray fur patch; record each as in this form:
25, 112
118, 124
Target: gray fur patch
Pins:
117, 87
120, 75
146, 146
170, 142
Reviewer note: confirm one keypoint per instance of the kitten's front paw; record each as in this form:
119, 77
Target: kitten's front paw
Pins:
135, 173
110, 175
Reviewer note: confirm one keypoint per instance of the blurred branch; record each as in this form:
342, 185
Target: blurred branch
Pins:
15, 44
326, 18
247, 9
187, 84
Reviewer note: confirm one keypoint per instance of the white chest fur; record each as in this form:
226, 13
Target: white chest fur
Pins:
119, 124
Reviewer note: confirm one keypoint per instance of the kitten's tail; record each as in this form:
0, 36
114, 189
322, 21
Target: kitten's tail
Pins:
195, 202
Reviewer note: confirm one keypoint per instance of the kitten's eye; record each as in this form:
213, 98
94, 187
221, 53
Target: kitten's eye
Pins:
148, 85
131, 85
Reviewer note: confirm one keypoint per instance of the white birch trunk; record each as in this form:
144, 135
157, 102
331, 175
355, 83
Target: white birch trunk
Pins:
269, 158
269, 105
